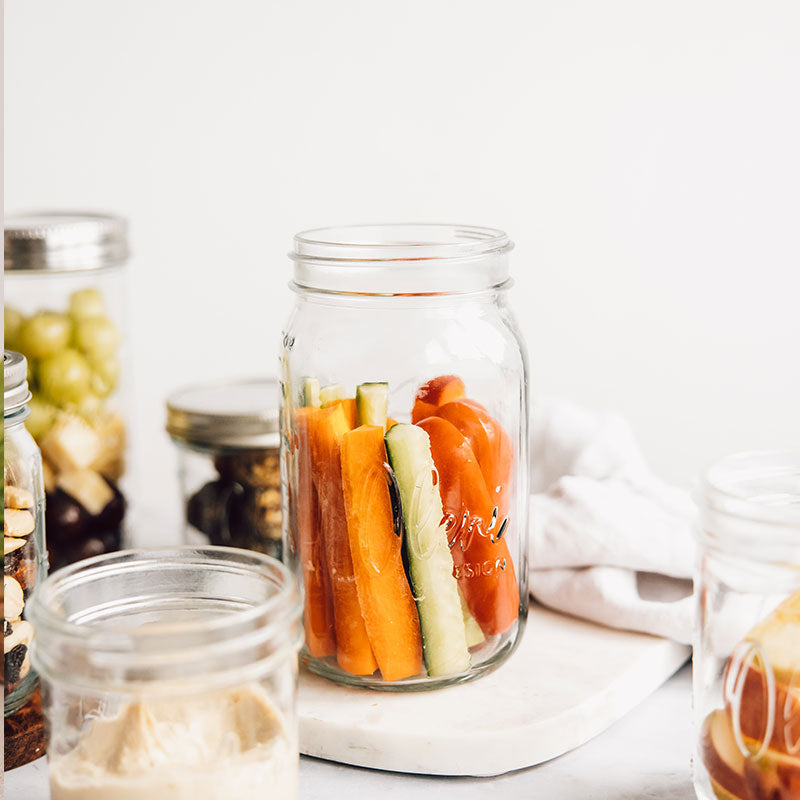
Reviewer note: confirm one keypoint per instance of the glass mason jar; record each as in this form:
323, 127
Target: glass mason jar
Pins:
747, 647
404, 420
170, 672
24, 554
229, 463
64, 311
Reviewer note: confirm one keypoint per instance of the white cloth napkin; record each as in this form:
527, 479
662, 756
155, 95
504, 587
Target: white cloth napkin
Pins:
609, 541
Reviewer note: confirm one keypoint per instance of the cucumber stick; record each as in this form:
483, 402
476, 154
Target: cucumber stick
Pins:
372, 403
332, 393
311, 392
474, 633
430, 564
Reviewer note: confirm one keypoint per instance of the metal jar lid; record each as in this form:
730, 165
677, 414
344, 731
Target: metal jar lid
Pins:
15, 381
64, 242
237, 414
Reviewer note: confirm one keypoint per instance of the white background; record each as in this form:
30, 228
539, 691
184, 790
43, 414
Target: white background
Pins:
644, 156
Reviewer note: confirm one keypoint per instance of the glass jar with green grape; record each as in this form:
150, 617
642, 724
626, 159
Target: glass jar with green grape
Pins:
65, 312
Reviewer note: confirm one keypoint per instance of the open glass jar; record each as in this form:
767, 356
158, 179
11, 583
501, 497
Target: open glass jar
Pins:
24, 554
170, 673
747, 647
65, 312
229, 462
404, 444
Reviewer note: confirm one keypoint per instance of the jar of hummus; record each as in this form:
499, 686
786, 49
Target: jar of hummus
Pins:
170, 674
229, 463
747, 647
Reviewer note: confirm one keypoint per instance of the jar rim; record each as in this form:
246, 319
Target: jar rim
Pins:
759, 487
401, 259
177, 645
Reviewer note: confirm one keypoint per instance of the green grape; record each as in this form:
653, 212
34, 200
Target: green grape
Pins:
96, 336
44, 334
105, 374
64, 378
12, 322
86, 303
42, 417
91, 407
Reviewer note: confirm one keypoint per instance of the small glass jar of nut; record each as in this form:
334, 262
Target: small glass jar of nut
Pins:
229, 463
24, 553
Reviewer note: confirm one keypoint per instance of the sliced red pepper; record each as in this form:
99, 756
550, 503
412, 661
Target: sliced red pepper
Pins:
434, 393
482, 561
491, 446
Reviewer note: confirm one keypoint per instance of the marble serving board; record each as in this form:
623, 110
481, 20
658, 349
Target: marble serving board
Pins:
567, 682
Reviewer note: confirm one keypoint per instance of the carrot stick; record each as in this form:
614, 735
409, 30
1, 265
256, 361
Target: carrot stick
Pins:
387, 605
354, 653
318, 612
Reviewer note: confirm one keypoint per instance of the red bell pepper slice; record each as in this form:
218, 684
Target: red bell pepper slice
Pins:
481, 558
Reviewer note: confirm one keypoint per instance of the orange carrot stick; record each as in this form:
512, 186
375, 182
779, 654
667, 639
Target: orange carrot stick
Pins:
354, 653
387, 604
318, 612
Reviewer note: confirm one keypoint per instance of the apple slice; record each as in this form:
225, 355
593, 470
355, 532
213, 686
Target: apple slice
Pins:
436, 392
722, 758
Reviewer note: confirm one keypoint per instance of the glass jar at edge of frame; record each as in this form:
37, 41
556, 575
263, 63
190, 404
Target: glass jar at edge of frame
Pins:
65, 310
404, 453
24, 553
746, 663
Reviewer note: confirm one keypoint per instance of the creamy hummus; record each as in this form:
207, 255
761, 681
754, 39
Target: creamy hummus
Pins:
222, 745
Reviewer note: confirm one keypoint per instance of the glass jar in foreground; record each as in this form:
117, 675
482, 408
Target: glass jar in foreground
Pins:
404, 422
170, 673
229, 462
747, 646
65, 304
24, 554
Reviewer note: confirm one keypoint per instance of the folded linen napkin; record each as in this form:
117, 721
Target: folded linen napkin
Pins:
609, 541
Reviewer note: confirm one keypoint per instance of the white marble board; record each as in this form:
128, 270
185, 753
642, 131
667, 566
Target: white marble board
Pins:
568, 681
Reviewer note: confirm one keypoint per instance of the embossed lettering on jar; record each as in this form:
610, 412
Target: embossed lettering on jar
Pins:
404, 453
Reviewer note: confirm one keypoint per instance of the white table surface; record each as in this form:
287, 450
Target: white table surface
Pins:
644, 756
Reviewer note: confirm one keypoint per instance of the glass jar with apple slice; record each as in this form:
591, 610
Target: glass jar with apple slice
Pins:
404, 447
24, 554
747, 648
65, 299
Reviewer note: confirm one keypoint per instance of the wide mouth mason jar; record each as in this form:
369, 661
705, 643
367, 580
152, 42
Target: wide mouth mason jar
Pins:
170, 672
65, 311
404, 446
24, 553
747, 646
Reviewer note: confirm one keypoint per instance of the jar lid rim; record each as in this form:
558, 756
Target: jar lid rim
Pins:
15, 381
238, 413
64, 241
